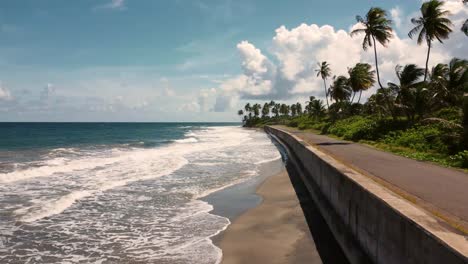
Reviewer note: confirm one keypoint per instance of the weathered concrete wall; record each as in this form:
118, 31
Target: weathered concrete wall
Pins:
371, 223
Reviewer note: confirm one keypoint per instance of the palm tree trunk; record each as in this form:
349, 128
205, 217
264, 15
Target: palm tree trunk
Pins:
427, 59
376, 63
326, 93
352, 99
465, 121
359, 99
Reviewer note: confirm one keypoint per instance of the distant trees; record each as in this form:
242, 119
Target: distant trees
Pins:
420, 94
432, 25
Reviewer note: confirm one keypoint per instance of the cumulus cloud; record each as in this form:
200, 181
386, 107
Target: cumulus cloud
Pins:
189, 107
5, 94
297, 51
396, 16
204, 98
166, 87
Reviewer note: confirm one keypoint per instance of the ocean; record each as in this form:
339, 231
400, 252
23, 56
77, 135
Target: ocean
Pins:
120, 192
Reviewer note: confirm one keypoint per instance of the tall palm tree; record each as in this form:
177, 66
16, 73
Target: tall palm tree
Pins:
340, 89
376, 27
361, 78
325, 72
432, 25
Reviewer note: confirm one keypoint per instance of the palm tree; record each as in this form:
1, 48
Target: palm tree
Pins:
361, 78
309, 104
340, 89
299, 108
464, 28
411, 96
376, 27
317, 109
240, 112
248, 108
432, 25
325, 72
293, 110
276, 109
256, 109
284, 109
266, 110
449, 81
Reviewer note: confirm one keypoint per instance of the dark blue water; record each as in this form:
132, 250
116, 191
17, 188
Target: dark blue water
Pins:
52, 135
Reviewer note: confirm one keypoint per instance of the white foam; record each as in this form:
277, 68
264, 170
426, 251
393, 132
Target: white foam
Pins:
55, 189
248, 175
55, 207
104, 180
187, 140
115, 169
268, 160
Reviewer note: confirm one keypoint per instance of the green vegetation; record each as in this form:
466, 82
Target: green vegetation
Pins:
424, 115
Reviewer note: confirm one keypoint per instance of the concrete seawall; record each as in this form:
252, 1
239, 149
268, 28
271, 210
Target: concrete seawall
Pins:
371, 224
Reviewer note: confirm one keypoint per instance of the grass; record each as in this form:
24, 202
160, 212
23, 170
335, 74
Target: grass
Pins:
435, 143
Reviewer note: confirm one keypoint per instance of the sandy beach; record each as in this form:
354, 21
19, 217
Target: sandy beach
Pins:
275, 231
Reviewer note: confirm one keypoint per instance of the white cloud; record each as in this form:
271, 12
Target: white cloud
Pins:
297, 51
189, 107
5, 94
167, 89
204, 98
47, 91
396, 14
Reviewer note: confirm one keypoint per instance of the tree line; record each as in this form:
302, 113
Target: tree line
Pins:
418, 91
418, 94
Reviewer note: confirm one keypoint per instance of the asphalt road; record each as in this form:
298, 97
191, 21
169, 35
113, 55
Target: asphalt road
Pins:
439, 187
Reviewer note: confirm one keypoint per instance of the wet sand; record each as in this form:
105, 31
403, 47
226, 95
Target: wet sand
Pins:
275, 231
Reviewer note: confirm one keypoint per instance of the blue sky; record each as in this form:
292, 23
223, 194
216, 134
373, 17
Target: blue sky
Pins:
145, 60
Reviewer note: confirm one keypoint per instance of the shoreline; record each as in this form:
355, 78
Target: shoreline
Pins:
273, 231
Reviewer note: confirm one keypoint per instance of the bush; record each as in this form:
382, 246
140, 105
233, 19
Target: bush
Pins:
453, 114
460, 159
354, 128
434, 137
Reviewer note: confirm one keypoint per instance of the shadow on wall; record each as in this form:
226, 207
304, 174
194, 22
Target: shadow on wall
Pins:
328, 248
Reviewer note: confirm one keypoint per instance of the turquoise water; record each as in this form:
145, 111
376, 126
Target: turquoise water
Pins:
119, 192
